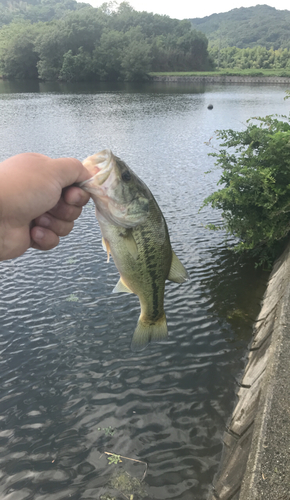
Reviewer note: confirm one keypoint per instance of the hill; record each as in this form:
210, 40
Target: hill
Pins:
247, 27
36, 10
94, 44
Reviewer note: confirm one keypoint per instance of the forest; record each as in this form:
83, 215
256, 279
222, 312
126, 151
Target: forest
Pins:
67, 41
36, 10
70, 41
247, 28
250, 58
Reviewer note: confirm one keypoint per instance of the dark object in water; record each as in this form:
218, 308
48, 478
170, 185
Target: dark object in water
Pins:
210, 106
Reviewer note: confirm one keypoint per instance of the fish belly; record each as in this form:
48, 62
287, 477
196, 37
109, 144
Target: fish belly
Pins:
144, 272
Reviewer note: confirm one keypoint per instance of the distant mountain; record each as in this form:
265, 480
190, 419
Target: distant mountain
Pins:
247, 27
36, 10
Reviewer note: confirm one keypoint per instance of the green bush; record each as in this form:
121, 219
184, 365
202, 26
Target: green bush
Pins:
255, 193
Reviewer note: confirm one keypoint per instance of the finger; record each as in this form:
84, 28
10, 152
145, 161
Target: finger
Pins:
58, 226
43, 239
69, 171
75, 196
64, 211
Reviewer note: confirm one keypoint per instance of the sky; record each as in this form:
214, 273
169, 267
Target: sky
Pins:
184, 9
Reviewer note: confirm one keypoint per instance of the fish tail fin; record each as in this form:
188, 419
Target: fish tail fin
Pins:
147, 331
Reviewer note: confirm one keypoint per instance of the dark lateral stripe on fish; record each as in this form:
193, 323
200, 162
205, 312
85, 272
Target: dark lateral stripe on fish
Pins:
151, 267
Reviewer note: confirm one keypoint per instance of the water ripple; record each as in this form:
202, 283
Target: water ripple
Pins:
70, 386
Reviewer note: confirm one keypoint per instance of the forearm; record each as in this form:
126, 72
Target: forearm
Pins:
13, 239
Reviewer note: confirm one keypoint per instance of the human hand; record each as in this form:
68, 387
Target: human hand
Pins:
38, 203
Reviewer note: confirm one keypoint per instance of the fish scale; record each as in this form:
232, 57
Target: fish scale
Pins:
135, 233
157, 263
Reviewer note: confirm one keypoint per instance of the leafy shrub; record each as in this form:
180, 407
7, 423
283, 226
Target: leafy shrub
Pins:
255, 197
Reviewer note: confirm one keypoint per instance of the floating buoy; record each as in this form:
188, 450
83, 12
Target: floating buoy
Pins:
210, 106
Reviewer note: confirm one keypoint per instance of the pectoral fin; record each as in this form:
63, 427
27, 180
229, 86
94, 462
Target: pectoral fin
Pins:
121, 287
177, 272
106, 247
131, 245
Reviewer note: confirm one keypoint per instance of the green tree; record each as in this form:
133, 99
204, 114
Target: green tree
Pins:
193, 47
257, 57
76, 68
247, 27
70, 40
51, 46
108, 55
83, 29
255, 193
37, 10
108, 43
136, 59
185, 53
18, 58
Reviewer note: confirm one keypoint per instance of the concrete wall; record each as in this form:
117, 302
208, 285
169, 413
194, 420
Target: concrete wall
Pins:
222, 79
256, 458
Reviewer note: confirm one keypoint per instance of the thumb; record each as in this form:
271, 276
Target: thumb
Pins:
69, 171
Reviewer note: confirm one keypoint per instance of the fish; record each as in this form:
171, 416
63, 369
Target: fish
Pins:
135, 234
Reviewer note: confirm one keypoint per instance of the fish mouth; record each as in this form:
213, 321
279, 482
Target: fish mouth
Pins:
100, 165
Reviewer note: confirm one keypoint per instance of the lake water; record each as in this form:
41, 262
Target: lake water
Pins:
71, 389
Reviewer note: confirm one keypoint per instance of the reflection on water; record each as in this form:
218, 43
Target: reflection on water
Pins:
99, 87
71, 389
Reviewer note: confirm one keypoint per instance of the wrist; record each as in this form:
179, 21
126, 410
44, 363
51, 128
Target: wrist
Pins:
2, 224
7, 230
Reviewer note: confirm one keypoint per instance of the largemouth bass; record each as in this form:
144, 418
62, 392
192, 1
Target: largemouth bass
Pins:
135, 233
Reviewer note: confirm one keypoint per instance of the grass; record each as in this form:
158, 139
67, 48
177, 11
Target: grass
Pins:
227, 72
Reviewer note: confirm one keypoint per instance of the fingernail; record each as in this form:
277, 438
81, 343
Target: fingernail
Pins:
77, 198
44, 221
38, 234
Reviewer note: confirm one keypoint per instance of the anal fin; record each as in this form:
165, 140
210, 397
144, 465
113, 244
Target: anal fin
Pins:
121, 287
177, 272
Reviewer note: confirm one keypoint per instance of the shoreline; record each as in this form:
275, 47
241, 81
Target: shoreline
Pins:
191, 78
222, 79
255, 462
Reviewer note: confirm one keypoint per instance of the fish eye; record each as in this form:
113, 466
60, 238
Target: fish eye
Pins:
126, 176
